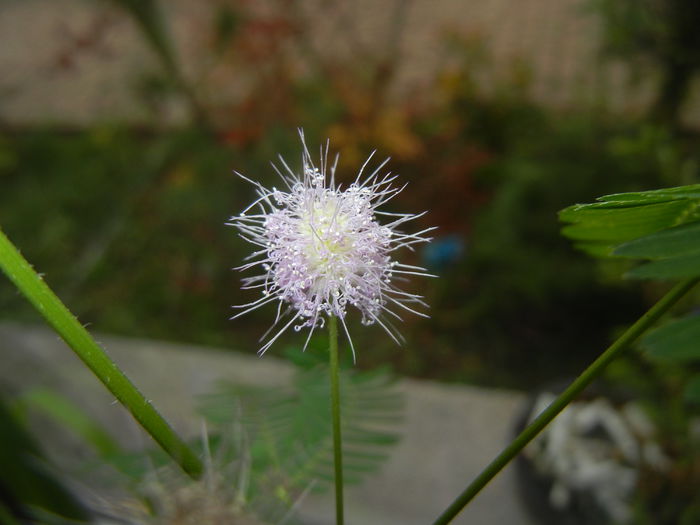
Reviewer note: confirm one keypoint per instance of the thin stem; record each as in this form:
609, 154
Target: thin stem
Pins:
37, 292
581, 382
335, 410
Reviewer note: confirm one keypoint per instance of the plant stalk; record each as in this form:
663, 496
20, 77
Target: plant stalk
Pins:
335, 411
581, 382
38, 293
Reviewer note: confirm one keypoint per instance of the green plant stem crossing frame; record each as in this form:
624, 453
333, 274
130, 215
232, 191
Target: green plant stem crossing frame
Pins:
37, 292
334, 369
560, 403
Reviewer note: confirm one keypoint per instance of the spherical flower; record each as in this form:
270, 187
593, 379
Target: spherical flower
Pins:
322, 248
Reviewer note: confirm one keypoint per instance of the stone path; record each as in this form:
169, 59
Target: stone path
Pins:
450, 431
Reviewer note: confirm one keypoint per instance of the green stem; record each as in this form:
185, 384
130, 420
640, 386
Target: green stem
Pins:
335, 410
33, 287
581, 382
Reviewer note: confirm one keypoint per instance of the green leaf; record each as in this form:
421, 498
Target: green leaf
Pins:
673, 242
27, 479
69, 415
677, 341
595, 249
672, 268
691, 392
661, 225
597, 222
691, 191
675, 253
290, 427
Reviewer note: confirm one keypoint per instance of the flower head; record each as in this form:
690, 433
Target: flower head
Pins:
322, 248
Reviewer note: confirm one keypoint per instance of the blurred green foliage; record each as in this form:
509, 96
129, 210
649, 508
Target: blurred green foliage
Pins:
101, 210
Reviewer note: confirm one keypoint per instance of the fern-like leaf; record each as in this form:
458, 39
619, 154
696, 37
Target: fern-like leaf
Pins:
289, 428
662, 226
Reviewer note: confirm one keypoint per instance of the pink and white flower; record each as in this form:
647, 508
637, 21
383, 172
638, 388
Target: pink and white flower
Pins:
322, 248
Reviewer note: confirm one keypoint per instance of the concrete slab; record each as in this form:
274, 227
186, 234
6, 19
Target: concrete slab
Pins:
449, 433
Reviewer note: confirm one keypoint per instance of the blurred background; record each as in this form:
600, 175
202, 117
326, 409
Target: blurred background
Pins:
121, 123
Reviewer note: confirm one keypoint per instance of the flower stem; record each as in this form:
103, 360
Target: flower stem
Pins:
38, 293
581, 382
335, 411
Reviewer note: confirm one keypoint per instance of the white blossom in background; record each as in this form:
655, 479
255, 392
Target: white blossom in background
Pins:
322, 248
596, 448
